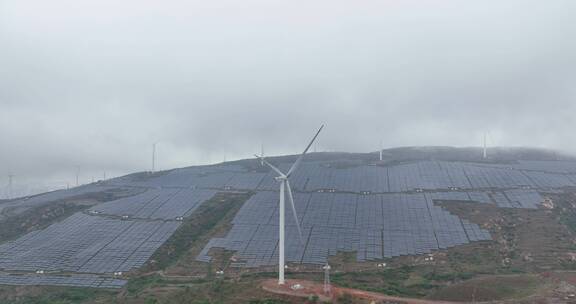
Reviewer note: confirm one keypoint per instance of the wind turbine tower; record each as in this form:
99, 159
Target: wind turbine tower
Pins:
283, 180
484, 152
10, 190
380, 150
153, 157
262, 154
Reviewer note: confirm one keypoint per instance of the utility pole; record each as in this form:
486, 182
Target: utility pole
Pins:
327, 286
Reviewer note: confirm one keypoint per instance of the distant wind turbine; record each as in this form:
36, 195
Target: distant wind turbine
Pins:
381, 150
484, 150
262, 153
154, 157
10, 190
77, 175
283, 180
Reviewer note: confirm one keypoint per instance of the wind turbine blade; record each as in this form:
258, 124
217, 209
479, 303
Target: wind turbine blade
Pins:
264, 161
291, 201
297, 162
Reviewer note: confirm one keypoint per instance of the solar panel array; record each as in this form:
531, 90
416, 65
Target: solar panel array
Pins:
373, 226
76, 280
547, 166
426, 175
214, 176
24, 203
522, 199
513, 198
165, 203
89, 244
375, 211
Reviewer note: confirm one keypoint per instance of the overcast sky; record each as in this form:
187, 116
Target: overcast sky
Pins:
94, 83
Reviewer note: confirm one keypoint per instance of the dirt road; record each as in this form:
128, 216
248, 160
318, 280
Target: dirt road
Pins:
305, 289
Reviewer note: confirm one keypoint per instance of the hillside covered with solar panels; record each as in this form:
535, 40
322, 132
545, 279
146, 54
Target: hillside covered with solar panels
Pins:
103, 234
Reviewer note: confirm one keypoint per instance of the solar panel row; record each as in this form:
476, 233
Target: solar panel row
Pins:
77, 280
164, 203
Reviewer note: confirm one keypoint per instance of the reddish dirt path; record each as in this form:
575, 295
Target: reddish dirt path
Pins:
309, 288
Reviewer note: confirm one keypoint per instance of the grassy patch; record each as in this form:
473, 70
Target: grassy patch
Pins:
221, 291
403, 281
61, 296
193, 229
268, 301
490, 289
138, 284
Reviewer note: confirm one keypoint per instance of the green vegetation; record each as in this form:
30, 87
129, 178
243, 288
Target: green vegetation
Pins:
465, 263
137, 285
425, 281
567, 216
569, 221
221, 291
449, 277
268, 301
345, 299
490, 288
403, 281
202, 221
60, 296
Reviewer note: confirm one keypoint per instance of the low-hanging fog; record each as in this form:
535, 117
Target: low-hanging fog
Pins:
94, 83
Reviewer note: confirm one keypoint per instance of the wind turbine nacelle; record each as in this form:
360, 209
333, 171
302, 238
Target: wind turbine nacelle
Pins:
280, 178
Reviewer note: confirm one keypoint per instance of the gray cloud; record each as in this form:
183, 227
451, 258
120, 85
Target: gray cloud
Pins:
94, 83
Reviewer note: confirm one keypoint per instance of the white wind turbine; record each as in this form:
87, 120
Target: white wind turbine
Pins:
283, 180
